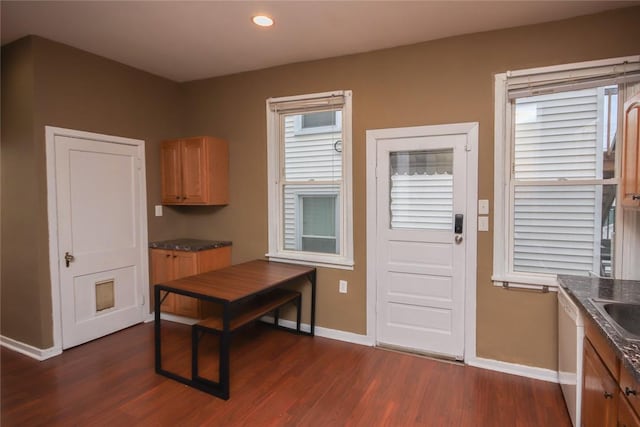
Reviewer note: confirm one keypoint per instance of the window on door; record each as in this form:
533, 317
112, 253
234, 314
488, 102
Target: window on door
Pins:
421, 190
555, 176
309, 148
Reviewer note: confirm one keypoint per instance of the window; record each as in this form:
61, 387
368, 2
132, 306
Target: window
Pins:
309, 155
421, 190
555, 169
318, 122
317, 231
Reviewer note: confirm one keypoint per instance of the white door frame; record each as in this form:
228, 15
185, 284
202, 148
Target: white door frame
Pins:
52, 213
471, 132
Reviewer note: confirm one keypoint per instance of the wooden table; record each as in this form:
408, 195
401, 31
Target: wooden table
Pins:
228, 287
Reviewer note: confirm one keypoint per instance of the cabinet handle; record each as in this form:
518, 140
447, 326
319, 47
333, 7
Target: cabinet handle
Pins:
629, 391
177, 197
635, 197
168, 255
175, 256
608, 395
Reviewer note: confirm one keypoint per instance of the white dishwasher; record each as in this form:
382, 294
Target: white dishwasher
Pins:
570, 346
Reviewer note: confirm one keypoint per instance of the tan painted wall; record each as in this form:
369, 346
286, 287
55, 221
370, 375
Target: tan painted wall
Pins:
52, 84
444, 81
20, 299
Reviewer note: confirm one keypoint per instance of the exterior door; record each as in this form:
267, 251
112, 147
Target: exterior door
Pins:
421, 200
100, 237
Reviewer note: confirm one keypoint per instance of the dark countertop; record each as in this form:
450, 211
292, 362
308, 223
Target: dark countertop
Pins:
581, 289
189, 245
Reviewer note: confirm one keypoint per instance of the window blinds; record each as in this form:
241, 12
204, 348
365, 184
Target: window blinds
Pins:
292, 103
553, 79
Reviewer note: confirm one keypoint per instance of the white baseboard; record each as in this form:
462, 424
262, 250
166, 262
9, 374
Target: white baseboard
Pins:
350, 337
178, 319
319, 331
514, 369
333, 334
29, 350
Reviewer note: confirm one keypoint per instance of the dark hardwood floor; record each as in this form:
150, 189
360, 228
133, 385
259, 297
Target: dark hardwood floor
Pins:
277, 379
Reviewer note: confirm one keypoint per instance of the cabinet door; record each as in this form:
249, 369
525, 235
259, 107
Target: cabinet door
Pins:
185, 264
171, 169
195, 170
599, 391
626, 416
631, 388
162, 271
631, 154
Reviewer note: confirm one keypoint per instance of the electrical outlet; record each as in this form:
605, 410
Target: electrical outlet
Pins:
483, 223
158, 210
343, 286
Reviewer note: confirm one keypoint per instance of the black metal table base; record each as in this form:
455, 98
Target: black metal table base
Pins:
218, 388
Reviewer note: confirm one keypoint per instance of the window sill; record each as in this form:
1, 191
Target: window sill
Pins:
525, 281
314, 261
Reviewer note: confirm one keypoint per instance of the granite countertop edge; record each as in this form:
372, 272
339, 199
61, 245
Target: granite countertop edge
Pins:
189, 245
582, 289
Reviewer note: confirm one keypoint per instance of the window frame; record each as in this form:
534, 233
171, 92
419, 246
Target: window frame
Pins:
504, 151
275, 169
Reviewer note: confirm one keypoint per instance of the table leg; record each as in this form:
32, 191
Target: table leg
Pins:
225, 344
312, 279
157, 331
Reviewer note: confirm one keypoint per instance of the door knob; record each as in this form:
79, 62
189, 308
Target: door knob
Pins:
458, 238
68, 258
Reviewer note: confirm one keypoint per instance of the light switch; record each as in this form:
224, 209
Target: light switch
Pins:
483, 207
483, 223
158, 210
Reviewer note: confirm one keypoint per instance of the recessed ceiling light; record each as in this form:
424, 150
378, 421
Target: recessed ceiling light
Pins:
262, 20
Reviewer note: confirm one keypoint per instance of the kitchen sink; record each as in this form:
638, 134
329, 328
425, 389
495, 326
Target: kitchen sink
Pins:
625, 317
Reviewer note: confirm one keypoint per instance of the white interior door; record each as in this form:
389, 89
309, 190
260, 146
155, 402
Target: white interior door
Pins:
98, 187
421, 188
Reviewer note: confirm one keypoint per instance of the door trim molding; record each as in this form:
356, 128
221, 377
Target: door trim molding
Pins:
52, 213
373, 137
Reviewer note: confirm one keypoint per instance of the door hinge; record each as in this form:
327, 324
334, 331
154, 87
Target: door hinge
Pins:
467, 147
139, 163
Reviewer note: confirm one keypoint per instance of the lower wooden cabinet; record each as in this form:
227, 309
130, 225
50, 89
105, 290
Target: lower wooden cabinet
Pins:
626, 416
599, 393
631, 389
610, 393
167, 265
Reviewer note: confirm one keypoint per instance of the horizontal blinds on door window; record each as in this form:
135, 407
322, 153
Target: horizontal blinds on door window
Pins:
333, 99
421, 201
597, 74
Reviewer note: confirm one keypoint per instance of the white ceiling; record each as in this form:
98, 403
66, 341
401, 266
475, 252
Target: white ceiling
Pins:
193, 40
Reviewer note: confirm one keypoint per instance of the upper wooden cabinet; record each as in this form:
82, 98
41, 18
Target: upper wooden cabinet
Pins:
631, 154
195, 171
